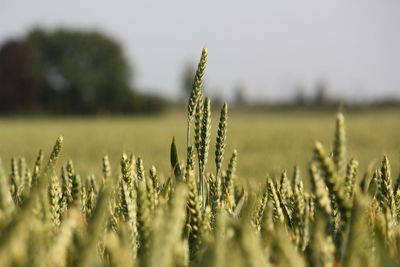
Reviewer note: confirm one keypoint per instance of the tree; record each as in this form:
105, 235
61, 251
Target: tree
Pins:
80, 71
17, 88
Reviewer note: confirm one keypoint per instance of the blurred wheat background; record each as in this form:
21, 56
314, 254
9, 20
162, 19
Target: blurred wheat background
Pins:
267, 141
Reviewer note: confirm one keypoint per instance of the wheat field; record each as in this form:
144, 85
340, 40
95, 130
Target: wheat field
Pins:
69, 205
267, 141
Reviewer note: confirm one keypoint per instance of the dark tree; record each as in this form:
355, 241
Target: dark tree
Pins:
80, 72
17, 88
69, 71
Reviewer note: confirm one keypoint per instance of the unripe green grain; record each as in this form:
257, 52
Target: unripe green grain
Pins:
227, 186
221, 138
339, 147
93, 184
106, 168
14, 181
75, 183
8, 230
190, 159
59, 250
260, 209
140, 169
205, 132
273, 197
151, 194
171, 228
24, 179
143, 217
45, 176
320, 190
196, 93
197, 84
206, 223
215, 197
55, 154
334, 186
55, 198
94, 230
91, 194
66, 188
198, 121
154, 178
350, 179
385, 187
204, 145
37, 166
285, 188
84, 200
357, 232
299, 203
125, 202
126, 171
195, 216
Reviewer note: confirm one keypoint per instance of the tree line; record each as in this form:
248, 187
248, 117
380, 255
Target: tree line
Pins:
68, 71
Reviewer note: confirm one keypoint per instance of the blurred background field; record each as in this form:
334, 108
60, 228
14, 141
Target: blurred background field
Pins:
268, 141
119, 81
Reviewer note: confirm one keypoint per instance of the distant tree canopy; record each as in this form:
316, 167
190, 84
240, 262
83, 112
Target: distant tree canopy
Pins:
68, 71
17, 90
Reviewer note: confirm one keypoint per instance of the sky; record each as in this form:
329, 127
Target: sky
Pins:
268, 48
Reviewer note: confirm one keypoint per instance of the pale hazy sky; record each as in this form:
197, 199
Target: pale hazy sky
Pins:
267, 46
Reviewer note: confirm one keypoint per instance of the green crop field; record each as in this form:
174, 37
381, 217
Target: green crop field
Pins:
266, 142
86, 200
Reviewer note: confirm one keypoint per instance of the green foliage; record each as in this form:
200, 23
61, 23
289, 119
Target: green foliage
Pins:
79, 71
69, 71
